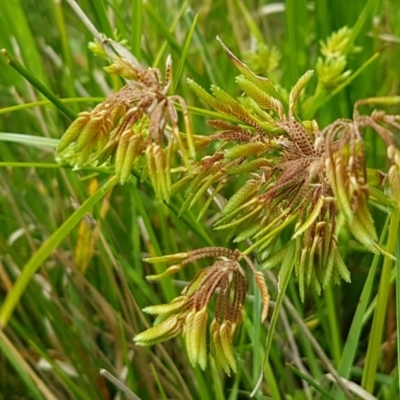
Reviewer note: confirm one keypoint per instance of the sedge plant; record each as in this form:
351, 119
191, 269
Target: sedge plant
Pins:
274, 189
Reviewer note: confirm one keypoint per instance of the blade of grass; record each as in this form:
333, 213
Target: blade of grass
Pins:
166, 284
360, 23
46, 249
35, 385
201, 44
28, 140
336, 344
99, 7
38, 85
311, 382
184, 54
295, 13
398, 310
353, 337
374, 344
16, 164
25, 106
284, 275
160, 53
136, 34
69, 67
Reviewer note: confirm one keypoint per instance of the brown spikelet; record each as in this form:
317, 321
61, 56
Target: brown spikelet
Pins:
262, 286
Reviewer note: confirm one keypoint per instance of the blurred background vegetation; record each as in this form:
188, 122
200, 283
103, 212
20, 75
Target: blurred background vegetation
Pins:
82, 308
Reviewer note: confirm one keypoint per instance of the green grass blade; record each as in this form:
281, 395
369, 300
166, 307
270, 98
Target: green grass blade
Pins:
28, 140
101, 11
28, 375
137, 23
46, 249
25, 106
334, 328
350, 347
164, 45
185, 52
38, 85
295, 30
166, 284
360, 23
16, 164
311, 382
374, 344
398, 310
284, 275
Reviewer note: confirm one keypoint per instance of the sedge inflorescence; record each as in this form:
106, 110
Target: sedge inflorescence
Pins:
188, 315
297, 182
139, 119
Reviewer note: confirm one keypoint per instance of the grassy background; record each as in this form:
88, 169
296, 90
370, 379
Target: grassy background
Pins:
83, 306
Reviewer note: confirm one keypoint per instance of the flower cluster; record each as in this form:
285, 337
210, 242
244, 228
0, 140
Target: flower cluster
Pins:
295, 176
187, 314
297, 181
134, 121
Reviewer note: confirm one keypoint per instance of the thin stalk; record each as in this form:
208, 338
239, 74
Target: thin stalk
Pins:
374, 345
37, 387
353, 337
398, 310
333, 325
46, 102
136, 31
69, 71
168, 288
38, 85
284, 276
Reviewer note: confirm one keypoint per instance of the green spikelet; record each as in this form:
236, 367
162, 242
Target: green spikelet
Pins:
132, 152
73, 131
263, 100
229, 105
226, 343
276, 258
195, 337
298, 87
249, 166
161, 172
159, 333
242, 195
263, 83
312, 216
247, 149
89, 133
122, 148
205, 186
204, 95
341, 268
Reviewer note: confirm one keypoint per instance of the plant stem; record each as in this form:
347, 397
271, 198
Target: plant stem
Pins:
374, 345
38, 85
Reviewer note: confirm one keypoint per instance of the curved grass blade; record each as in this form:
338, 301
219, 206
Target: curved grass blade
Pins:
284, 275
38, 85
184, 54
28, 140
311, 382
36, 386
374, 345
136, 30
46, 249
47, 102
